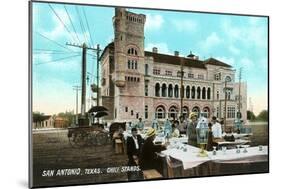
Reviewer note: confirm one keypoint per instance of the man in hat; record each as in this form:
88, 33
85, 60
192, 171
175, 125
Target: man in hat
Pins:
134, 145
148, 157
216, 128
191, 129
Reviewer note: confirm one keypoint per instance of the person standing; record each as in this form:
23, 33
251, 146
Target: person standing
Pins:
167, 128
191, 129
216, 128
182, 126
140, 124
155, 124
134, 145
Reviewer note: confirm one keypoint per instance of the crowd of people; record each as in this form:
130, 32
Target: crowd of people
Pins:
142, 151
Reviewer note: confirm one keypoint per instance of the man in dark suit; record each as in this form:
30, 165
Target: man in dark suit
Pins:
134, 145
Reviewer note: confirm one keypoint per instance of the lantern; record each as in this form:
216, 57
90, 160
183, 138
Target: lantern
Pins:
202, 131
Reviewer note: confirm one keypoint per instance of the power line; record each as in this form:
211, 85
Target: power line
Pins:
57, 60
72, 24
81, 24
54, 41
88, 26
50, 52
60, 20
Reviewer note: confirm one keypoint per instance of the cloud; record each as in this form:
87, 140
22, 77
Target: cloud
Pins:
185, 25
234, 50
246, 63
153, 22
211, 41
252, 33
162, 47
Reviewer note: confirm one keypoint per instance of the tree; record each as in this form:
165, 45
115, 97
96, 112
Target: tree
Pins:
251, 116
263, 116
69, 116
37, 117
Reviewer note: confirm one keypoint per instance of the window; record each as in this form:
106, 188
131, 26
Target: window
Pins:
129, 64
218, 112
173, 112
187, 92
176, 91
209, 93
160, 112
169, 73
190, 75
146, 88
198, 92
218, 76
200, 76
156, 71
170, 90
146, 112
132, 51
136, 65
146, 69
157, 89
228, 79
164, 90
204, 93
193, 92
137, 115
218, 95
132, 112
179, 74
126, 109
231, 112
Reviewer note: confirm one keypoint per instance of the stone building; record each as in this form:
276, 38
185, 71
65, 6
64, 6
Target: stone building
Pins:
137, 83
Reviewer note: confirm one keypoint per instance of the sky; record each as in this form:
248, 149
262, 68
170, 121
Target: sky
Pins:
241, 41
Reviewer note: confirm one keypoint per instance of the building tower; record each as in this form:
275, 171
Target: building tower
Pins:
129, 64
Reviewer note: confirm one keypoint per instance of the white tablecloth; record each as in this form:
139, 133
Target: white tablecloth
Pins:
190, 158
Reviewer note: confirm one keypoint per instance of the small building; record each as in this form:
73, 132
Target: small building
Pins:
46, 121
60, 122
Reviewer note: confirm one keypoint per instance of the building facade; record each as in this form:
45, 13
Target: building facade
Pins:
147, 84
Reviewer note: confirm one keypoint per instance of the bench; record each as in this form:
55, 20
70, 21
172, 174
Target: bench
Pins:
151, 174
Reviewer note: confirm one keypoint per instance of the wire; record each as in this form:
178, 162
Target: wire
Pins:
53, 41
60, 20
42, 52
56, 60
72, 24
81, 24
49, 50
88, 26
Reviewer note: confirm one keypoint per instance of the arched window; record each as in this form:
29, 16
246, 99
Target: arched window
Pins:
209, 93
173, 111
218, 95
132, 51
160, 112
170, 90
228, 95
185, 111
188, 91
206, 110
204, 93
228, 79
196, 109
136, 65
176, 91
193, 92
157, 89
198, 92
164, 90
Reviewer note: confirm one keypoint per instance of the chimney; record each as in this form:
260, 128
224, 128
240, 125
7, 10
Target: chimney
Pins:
176, 53
154, 50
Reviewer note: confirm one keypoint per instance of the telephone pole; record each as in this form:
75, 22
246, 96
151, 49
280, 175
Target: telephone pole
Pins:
225, 99
84, 72
98, 70
76, 88
239, 93
182, 90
